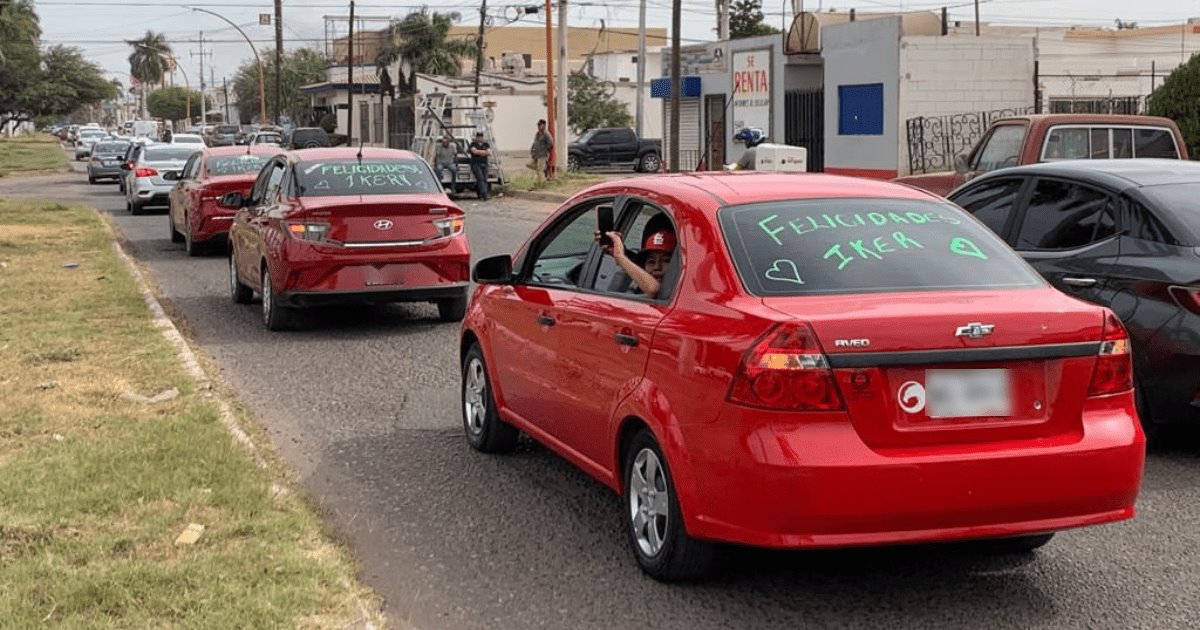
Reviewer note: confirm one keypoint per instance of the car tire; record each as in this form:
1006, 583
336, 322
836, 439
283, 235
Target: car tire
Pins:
240, 293
452, 309
649, 163
190, 245
275, 316
1016, 544
312, 145
573, 163
135, 207
485, 431
91, 180
176, 237
653, 523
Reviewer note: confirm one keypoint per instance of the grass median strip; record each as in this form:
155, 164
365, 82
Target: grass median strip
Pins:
99, 475
30, 154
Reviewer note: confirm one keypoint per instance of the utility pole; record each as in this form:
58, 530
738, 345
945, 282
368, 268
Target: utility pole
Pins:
552, 163
676, 9
560, 133
278, 57
203, 105
641, 68
722, 20
350, 80
976, 18
225, 91
479, 44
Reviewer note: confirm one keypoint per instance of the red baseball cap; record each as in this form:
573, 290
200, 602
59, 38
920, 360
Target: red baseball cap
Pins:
660, 241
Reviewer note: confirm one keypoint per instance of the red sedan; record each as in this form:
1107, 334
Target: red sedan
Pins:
324, 226
821, 362
196, 217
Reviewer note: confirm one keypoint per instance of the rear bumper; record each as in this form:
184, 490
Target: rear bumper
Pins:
102, 172
800, 485
151, 197
380, 296
209, 225
1170, 374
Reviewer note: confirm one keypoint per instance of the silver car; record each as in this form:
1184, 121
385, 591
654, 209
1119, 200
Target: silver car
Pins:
105, 162
143, 174
88, 137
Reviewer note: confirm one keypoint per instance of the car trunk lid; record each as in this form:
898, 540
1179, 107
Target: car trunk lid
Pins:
366, 220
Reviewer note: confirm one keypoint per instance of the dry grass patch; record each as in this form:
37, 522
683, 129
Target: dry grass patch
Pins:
94, 488
30, 153
565, 183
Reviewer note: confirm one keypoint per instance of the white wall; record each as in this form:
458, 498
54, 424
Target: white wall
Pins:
957, 74
862, 52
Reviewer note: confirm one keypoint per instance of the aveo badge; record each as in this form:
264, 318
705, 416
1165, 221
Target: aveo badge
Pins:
912, 397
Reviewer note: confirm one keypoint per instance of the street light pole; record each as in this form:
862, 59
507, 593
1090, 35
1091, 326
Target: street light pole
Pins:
278, 56
262, 94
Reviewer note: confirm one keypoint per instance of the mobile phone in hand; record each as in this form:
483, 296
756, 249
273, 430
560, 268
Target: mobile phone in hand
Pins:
604, 223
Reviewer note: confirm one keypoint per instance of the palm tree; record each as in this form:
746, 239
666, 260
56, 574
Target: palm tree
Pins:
150, 59
420, 40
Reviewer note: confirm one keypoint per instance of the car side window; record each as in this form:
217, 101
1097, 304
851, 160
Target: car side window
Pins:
1067, 143
189, 168
624, 136
1141, 224
274, 183
1154, 143
1001, 149
259, 190
1122, 143
641, 221
1065, 215
992, 202
602, 137
563, 248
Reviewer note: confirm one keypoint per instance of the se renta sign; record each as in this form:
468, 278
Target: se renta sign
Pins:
752, 90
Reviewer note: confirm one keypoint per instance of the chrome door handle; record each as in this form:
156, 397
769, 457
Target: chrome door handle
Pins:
1080, 282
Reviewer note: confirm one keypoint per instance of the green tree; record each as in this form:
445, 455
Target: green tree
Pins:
171, 103
420, 39
1178, 98
592, 105
19, 56
301, 67
151, 58
63, 81
746, 20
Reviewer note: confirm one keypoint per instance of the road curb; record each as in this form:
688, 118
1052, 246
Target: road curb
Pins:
187, 356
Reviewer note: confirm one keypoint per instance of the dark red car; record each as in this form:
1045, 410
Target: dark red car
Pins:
196, 216
324, 226
825, 362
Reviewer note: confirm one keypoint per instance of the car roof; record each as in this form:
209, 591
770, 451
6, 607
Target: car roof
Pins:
1082, 119
1116, 174
240, 150
346, 153
736, 188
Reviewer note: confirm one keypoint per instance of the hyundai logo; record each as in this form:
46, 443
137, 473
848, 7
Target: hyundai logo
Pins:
975, 330
383, 224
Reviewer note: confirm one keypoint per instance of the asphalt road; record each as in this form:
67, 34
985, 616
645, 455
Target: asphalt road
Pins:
363, 404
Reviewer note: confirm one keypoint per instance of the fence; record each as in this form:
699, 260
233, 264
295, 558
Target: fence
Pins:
1097, 94
933, 141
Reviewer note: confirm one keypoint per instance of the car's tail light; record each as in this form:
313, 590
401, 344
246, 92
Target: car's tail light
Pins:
308, 231
1114, 365
145, 172
1187, 297
786, 370
452, 226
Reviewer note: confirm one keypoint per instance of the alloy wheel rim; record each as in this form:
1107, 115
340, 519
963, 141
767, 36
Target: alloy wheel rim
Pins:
651, 164
233, 279
475, 396
649, 502
266, 296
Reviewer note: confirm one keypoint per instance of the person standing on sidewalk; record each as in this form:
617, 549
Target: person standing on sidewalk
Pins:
543, 142
480, 150
443, 160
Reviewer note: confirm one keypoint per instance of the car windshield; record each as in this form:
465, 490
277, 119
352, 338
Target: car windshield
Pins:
386, 176
235, 164
111, 148
268, 137
587, 136
823, 246
167, 153
1178, 201
92, 132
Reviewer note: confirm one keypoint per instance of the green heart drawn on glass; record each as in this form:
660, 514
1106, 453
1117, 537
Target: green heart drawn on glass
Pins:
964, 247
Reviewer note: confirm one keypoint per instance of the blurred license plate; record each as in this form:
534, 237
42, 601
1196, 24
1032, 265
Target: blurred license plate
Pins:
110, 162
967, 393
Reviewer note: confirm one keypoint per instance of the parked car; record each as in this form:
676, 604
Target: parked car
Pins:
864, 351
225, 135
1123, 234
195, 217
105, 162
367, 225
308, 138
1052, 137
195, 140
614, 146
144, 174
268, 138
87, 137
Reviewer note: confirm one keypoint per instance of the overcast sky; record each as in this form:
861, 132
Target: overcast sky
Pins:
100, 27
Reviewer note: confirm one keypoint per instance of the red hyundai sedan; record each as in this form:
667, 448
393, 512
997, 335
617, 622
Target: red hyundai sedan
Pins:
196, 218
346, 225
822, 362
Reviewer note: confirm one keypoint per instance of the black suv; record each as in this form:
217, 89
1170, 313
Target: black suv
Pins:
308, 138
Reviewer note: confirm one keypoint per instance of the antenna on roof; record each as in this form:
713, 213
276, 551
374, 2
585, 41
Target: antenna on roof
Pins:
360, 146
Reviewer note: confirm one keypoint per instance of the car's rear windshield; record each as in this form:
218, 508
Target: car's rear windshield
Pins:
1177, 203
389, 176
110, 147
164, 154
227, 129
823, 246
235, 164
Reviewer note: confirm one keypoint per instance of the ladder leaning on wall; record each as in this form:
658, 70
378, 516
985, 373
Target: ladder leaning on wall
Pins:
460, 116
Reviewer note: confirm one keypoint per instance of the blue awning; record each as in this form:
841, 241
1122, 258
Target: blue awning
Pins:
689, 87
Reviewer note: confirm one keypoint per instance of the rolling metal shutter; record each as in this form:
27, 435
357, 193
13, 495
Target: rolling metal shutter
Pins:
691, 139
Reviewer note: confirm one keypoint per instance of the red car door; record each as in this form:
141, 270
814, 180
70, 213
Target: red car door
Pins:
606, 338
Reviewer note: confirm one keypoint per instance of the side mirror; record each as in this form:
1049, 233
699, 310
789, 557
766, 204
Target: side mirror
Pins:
960, 164
171, 176
127, 166
493, 270
233, 200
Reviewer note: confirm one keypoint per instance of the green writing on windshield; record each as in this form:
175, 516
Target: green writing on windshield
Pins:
366, 169
372, 181
776, 227
874, 249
